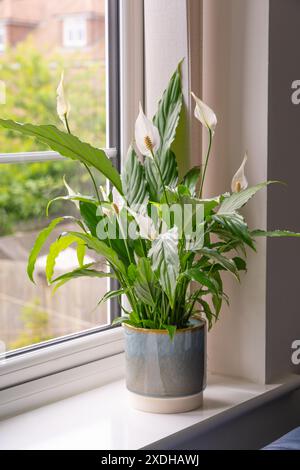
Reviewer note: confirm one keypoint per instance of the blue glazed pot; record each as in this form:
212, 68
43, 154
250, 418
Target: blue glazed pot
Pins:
164, 375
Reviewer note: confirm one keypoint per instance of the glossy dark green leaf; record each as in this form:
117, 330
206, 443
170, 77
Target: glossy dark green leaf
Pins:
226, 263
191, 179
236, 227
88, 212
203, 279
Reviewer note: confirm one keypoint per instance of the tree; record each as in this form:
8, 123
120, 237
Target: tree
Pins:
31, 79
35, 326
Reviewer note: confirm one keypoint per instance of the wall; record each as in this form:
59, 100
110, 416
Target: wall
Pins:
283, 313
252, 101
235, 85
172, 32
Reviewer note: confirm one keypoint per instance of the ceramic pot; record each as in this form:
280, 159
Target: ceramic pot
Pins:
164, 375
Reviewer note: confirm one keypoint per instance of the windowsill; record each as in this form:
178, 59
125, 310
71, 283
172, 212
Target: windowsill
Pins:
101, 419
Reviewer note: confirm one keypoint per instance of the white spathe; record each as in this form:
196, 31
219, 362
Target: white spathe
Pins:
146, 225
147, 136
204, 114
62, 105
239, 181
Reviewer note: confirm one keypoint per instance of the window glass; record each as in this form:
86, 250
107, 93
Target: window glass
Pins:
30, 68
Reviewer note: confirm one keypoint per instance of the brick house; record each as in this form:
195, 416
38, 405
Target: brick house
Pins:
63, 25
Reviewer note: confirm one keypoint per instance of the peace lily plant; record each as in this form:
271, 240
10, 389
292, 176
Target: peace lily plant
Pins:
150, 251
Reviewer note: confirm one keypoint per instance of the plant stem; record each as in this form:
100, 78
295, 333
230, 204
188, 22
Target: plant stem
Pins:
124, 238
143, 249
86, 166
206, 162
161, 177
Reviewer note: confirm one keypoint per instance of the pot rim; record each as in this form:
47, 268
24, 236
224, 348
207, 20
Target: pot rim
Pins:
201, 324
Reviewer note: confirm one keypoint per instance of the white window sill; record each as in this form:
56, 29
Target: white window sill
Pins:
101, 419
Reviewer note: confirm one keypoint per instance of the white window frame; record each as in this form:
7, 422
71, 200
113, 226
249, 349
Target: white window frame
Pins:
78, 362
75, 24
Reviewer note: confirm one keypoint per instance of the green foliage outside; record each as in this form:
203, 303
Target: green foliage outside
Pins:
36, 326
31, 80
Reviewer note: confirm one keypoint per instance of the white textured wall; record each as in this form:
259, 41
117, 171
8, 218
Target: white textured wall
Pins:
235, 81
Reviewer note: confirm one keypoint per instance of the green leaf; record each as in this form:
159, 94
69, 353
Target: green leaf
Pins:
240, 263
168, 167
166, 120
76, 198
165, 261
88, 212
237, 200
55, 249
226, 263
68, 146
38, 245
274, 233
83, 271
81, 249
150, 324
208, 204
111, 295
236, 226
190, 180
167, 116
119, 320
134, 182
100, 247
145, 281
203, 279
171, 329
208, 312
131, 272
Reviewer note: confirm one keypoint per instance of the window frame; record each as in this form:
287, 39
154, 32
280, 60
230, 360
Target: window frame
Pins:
59, 359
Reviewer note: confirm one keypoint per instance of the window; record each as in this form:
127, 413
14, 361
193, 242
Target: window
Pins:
30, 174
2, 37
75, 32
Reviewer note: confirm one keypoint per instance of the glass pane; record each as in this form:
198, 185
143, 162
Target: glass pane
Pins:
31, 313
41, 40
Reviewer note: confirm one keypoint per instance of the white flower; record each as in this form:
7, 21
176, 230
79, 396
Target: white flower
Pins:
204, 114
63, 107
145, 224
239, 181
71, 193
146, 135
109, 208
